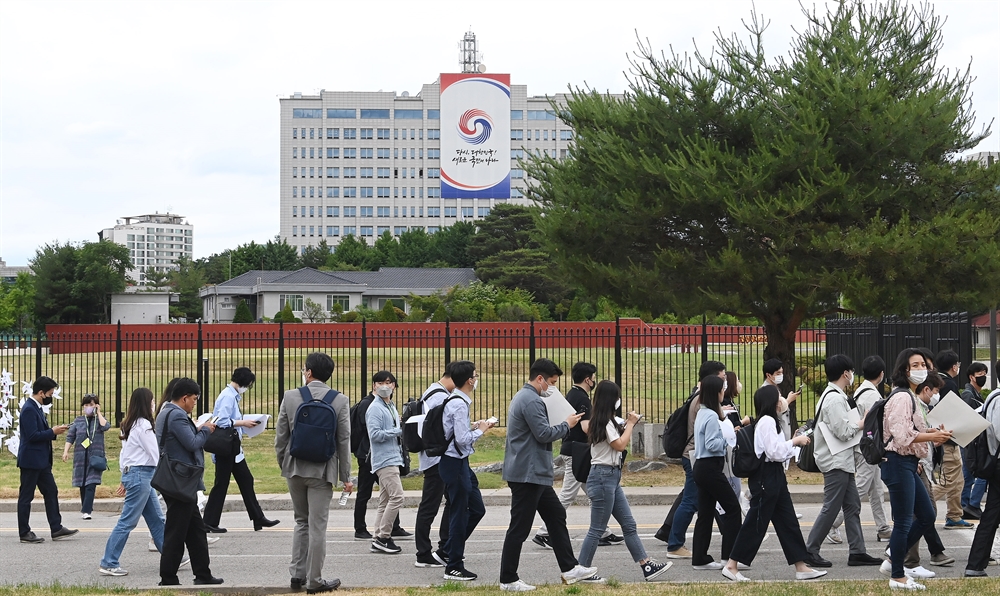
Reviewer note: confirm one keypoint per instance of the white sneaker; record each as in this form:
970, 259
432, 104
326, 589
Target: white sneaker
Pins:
577, 573
152, 546
811, 574
85, 516
713, 566
834, 536
798, 516
113, 571
518, 586
909, 584
919, 572
212, 539
886, 568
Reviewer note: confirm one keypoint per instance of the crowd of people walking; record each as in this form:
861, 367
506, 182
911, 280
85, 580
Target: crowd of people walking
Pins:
318, 431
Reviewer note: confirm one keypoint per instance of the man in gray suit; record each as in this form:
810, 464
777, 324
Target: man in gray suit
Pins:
310, 484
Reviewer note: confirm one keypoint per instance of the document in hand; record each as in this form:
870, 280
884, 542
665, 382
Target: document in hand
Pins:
956, 415
835, 444
558, 408
253, 431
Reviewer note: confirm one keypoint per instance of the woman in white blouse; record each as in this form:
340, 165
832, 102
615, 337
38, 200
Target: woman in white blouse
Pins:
608, 438
770, 501
139, 456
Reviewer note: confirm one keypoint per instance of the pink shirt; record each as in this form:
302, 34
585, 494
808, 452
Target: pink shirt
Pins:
903, 420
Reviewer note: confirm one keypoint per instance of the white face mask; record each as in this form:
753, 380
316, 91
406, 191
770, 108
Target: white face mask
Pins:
475, 383
384, 391
850, 378
618, 404
304, 383
918, 376
778, 379
154, 406
725, 386
241, 390
934, 399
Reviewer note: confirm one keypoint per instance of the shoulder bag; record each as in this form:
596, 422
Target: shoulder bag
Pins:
176, 479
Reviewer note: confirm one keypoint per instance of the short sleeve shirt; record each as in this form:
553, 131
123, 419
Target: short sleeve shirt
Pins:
603, 453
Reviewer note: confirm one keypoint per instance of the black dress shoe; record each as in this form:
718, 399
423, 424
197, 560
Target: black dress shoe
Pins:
215, 529
169, 582
260, 524
971, 513
31, 538
862, 559
362, 535
297, 583
205, 581
401, 533
63, 532
818, 561
324, 586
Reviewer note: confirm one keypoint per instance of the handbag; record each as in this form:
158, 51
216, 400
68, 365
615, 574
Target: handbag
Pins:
98, 462
224, 442
176, 479
581, 460
807, 457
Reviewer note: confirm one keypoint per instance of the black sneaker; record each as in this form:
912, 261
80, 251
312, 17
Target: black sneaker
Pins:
428, 561
362, 535
462, 575
542, 541
610, 540
401, 533
385, 545
651, 570
296, 584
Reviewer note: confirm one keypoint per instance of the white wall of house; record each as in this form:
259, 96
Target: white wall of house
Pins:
137, 308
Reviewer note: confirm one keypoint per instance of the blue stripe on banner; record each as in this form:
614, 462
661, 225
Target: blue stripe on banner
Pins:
500, 190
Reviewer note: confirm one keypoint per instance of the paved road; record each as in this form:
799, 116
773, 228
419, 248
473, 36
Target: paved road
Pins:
249, 559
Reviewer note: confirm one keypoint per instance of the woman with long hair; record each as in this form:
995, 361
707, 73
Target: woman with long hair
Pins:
713, 488
732, 411
227, 409
139, 456
909, 440
608, 438
770, 502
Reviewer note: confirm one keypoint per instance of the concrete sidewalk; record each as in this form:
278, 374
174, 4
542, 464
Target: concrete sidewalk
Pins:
500, 497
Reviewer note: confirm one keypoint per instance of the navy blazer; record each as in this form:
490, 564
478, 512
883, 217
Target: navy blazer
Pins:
35, 451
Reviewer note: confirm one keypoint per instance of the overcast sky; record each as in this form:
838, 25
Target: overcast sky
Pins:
110, 109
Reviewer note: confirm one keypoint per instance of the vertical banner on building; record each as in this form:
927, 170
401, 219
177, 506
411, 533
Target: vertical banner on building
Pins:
475, 136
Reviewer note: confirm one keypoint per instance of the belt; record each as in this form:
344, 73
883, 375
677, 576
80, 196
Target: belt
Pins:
127, 468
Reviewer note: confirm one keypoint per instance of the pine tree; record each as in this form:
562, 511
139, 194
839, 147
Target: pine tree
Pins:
242, 314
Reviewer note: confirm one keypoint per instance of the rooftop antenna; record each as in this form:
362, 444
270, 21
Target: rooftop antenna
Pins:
468, 54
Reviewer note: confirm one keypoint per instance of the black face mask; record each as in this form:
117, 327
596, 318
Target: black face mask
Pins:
47, 400
979, 381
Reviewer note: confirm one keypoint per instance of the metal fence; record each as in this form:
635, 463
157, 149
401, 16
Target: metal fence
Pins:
656, 365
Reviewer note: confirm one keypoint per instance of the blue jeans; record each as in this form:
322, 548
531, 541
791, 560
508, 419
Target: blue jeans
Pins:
912, 511
140, 500
686, 510
467, 508
606, 499
973, 489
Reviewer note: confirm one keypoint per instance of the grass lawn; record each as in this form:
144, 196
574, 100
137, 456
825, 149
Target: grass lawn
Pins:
264, 465
952, 587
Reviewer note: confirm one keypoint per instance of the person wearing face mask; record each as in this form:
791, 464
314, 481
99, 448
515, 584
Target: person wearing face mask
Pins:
584, 380
973, 488
383, 381
385, 458
774, 374
86, 436
840, 492
905, 427
227, 409
951, 479
34, 458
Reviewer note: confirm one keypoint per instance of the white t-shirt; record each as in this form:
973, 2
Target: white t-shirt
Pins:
603, 453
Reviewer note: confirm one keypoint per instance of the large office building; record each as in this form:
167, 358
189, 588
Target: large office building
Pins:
155, 242
366, 163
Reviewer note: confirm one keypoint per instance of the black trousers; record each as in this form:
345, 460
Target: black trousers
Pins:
226, 466
713, 488
770, 503
366, 482
979, 554
430, 502
184, 526
525, 500
46, 484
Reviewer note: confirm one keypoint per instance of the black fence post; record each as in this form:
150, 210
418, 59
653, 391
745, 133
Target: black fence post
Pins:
204, 388
281, 361
364, 357
201, 379
618, 351
119, 413
38, 355
447, 342
704, 338
531, 343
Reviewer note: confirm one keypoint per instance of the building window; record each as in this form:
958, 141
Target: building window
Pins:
295, 230
333, 211
312, 190
307, 113
312, 211
333, 133
399, 230
350, 211
409, 114
341, 113
466, 212
545, 135
516, 173
295, 133
312, 152
350, 133
451, 211
312, 133
374, 115
383, 172
541, 115
433, 154
383, 211
333, 172
383, 134
433, 212
295, 172
349, 193
367, 172
516, 135
332, 152
293, 300
367, 153
312, 172
350, 153
382, 192
295, 191
484, 211
332, 192
433, 229
343, 301
434, 193
381, 230
333, 230
350, 172
433, 134
383, 152
517, 153
433, 172
565, 135
517, 115
367, 133
295, 152
367, 231
350, 231
515, 193
295, 211
367, 192
366, 211
312, 230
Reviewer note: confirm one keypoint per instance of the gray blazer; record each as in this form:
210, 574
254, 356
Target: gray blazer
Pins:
528, 454
340, 464
183, 442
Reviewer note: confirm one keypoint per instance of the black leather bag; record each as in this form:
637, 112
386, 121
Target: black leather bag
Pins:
224, 441
176, 479
581, 460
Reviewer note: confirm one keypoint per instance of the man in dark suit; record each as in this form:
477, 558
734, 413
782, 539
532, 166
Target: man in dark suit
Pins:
310, 483
34, 457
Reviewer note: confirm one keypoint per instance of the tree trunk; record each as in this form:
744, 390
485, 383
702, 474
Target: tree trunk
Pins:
781, 345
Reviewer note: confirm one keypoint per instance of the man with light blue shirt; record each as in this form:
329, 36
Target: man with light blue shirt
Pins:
467, 507
433, 487
385, 457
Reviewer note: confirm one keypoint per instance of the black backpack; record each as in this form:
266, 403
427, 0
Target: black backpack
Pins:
435, 443
675, 432
314, 436
976, 456
873, 443
745, 460
412, 441
358, 431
